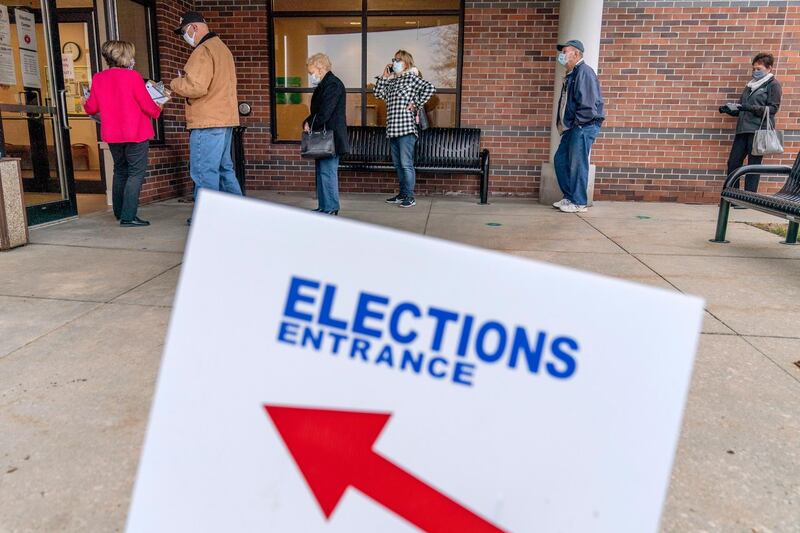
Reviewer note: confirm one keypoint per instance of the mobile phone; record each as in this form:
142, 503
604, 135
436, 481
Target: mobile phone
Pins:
86, 92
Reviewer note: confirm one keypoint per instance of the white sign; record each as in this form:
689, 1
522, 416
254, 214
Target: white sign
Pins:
323, 375
26, 29
156, 91
5, 26
68, 65
8, 71
29, 62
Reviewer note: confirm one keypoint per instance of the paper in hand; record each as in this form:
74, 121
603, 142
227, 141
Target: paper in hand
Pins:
157, 91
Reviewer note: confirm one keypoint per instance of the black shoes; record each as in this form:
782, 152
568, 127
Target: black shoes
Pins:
136, 222
402, 200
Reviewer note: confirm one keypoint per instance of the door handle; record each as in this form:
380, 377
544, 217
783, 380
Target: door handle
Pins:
62, 96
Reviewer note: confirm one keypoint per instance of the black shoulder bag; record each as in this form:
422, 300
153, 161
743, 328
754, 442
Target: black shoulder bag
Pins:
317, 144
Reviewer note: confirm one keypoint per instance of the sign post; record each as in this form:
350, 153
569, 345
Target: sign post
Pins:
327, 375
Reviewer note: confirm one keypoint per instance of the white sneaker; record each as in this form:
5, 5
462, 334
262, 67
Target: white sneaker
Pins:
573, 208
561, 202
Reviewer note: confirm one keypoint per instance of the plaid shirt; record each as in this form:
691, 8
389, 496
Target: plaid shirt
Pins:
398, 92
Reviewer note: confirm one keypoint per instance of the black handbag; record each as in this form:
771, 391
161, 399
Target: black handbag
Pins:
317, 144
422, 119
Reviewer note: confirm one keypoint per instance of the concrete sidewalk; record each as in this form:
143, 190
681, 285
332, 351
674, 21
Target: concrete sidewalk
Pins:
84, 310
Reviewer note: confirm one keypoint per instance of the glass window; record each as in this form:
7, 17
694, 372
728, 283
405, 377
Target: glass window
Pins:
135, 30
433, 38
296, 39
432, 41
291, 109
441, 110
135, 22
317, 6
413, 5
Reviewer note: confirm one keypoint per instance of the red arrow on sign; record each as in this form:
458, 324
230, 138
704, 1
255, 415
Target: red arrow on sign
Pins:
333, 450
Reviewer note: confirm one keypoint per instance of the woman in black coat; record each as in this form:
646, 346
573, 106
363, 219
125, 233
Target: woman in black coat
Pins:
762, 92
328, 107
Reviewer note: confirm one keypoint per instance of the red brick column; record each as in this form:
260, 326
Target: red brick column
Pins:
168, 176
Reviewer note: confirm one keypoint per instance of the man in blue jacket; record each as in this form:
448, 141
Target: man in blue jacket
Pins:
580, 114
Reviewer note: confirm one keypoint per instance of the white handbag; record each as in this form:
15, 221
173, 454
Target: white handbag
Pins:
767, 140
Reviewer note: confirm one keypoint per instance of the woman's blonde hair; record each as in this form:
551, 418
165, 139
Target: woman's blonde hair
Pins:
118, 53
408, 59
320, 60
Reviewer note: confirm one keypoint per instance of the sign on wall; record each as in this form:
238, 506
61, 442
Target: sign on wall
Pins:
28, 48
68, 66
29, 63
5, 26
327, 375
26, 29
8, 73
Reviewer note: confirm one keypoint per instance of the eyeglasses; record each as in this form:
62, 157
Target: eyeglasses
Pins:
395, 60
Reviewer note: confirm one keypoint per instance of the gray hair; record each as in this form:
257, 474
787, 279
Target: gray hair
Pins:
320, 60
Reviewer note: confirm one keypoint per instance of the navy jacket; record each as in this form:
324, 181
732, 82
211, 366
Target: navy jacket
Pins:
328, 107
585, 102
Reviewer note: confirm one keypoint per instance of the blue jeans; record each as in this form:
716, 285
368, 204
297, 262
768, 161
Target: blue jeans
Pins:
328, 183
403, 158
210, 162
572, 162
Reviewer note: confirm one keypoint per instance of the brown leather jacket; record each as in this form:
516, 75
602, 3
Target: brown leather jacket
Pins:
209, 86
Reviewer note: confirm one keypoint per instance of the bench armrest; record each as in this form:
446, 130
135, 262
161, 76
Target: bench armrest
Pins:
755, 169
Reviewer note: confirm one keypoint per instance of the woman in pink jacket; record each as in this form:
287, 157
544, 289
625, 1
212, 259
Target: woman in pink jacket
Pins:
126, 112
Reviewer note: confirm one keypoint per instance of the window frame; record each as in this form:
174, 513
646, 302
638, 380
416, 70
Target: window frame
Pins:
364, 14
112, 25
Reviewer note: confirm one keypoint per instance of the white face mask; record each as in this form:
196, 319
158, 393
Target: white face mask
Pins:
398, 67
314, 80
189, 40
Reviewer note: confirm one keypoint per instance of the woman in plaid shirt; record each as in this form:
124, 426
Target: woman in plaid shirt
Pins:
405, 92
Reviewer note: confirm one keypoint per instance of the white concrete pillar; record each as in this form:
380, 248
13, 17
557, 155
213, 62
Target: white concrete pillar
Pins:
582, 20
108, 165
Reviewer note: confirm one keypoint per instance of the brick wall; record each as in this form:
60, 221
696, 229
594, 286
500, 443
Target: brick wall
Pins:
665, 67
507, 87
168, 175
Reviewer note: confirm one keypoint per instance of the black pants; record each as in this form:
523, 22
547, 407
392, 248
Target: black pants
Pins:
742, 145
130, 166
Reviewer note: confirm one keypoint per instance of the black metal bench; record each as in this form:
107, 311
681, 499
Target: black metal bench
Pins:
439, 150
784, 203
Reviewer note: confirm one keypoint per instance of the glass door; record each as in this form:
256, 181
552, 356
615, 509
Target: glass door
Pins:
33, 107
80, 60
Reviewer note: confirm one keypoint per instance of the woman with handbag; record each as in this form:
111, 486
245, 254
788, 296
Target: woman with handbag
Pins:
328, 107
405, 94
756, 111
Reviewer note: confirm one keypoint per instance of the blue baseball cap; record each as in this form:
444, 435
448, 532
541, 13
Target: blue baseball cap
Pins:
575, 43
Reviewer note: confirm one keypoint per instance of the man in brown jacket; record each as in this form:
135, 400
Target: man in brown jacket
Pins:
209, 86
